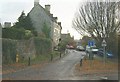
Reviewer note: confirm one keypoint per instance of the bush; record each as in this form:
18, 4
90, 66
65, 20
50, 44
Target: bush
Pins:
13, 33
42, 45
16, 34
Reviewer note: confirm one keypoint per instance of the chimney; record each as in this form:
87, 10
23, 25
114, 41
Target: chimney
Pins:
59, 23
7, 24
36, 2
47, 8
55, 18
51, 15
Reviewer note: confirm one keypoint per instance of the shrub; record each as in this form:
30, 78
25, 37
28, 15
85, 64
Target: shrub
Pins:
8, 51
42, 45
13, 33
17, 34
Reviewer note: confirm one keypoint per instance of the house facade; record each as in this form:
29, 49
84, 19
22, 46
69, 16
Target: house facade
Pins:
40, 16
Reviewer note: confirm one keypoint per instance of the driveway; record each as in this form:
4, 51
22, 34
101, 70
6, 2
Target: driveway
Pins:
62, 69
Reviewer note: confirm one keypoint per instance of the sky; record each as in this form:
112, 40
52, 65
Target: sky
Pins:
65, 10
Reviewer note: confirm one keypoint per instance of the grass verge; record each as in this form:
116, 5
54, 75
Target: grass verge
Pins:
96, 66
37, 61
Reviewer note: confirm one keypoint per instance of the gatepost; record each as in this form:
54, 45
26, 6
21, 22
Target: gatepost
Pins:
104, 44
17, 58
81, 61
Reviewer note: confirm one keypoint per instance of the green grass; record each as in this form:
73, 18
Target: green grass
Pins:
42, 58
39, 58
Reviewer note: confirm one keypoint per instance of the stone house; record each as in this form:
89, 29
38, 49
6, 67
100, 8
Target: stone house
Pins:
66, 36
41, 16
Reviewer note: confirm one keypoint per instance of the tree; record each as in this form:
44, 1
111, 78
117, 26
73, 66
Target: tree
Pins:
84, 40
98, 20
46, 30
21, 21
26, 23
67, 40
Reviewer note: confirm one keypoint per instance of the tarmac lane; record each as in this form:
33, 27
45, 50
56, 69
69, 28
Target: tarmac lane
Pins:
62, 69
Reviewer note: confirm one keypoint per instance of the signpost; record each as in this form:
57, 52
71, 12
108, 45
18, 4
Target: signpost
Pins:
104, 44
91, 44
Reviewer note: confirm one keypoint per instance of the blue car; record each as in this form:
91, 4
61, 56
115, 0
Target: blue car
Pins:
101, 53
109, 55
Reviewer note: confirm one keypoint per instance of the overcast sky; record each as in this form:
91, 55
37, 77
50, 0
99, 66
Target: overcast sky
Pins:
10, 10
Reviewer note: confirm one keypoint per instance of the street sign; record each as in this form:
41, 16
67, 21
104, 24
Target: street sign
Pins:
104, 43
91, 43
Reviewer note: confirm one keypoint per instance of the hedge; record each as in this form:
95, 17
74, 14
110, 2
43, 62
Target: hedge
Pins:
42, 45
8, 51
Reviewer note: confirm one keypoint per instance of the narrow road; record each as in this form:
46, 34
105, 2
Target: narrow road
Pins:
62, 69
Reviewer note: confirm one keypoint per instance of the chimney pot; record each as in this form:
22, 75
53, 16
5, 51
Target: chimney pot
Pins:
59, 23
36, 2
47, 7
55, 18
51, 15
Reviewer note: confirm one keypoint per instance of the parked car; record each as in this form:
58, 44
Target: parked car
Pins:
80, 48
101, 53
69, 47
93, 49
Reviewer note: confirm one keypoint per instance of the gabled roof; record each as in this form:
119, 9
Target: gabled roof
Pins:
48, 13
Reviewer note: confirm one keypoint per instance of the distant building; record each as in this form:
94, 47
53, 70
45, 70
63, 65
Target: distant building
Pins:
41, 16
7, 24
65, 36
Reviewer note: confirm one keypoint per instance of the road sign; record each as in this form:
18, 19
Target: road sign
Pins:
104, 43
91, 43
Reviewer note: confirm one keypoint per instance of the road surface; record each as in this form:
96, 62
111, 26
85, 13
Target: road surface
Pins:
62, 69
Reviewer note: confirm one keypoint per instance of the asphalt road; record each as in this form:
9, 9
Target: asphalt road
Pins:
62, 69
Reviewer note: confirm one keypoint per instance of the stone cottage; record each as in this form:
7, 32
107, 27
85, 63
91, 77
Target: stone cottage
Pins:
41, 16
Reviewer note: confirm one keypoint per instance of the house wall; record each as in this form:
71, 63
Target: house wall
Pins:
56, 33
39, 17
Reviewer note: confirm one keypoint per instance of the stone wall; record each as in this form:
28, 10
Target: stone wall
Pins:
26, 48
10, 48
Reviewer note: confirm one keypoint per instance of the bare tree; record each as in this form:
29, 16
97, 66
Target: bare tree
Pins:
99, 20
